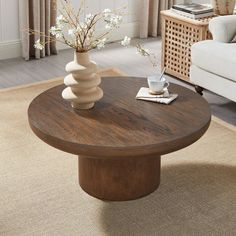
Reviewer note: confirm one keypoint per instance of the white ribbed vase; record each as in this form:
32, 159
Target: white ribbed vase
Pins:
83, 81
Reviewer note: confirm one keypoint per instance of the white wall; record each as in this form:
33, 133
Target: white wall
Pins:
133, 7
9, 22
9, 29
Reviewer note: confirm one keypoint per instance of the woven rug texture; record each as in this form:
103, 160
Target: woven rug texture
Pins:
40, 194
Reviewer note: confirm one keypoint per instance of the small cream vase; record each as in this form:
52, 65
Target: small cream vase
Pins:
223, 7
82, 83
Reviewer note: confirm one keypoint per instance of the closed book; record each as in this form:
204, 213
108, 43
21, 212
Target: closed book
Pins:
192, 16
166, 98
193, 8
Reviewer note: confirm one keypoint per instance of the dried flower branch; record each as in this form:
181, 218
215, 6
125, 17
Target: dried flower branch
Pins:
77, 34
141, 51
146, 53
82, 35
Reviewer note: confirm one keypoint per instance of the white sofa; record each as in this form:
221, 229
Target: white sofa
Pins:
214, 61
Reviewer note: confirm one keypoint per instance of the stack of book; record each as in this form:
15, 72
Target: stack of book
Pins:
193, 10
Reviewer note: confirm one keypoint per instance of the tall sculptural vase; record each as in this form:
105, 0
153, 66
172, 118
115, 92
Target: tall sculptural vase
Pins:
82, 83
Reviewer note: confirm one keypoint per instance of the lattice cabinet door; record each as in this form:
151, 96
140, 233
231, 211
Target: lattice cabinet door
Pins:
178, 35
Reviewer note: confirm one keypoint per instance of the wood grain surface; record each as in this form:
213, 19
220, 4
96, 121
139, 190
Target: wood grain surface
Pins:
119, 179
119, 125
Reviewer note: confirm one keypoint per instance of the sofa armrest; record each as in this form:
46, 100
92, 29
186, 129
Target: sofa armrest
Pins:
223, 28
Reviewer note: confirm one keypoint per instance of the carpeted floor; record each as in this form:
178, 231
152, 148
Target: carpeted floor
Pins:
40, 194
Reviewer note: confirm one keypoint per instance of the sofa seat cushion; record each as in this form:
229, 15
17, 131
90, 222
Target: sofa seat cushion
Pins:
215, 57
215, 83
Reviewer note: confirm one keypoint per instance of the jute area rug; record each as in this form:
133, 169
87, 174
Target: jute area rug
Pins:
40, 195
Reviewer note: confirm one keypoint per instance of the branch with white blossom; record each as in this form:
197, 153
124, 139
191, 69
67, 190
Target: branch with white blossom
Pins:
80, 34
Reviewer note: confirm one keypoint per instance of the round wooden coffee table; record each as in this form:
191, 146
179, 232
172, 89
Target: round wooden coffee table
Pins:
120, 141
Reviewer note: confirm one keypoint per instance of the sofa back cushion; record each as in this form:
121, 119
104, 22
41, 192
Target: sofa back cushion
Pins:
223, 28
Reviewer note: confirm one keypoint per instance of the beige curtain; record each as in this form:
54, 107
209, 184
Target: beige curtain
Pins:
150, 24
38, 15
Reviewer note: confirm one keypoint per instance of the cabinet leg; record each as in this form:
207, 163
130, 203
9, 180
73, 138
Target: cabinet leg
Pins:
199, 90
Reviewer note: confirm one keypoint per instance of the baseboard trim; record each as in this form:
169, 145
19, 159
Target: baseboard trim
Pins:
10, 49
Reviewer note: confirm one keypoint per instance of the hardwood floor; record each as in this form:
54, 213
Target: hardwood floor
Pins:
15, 72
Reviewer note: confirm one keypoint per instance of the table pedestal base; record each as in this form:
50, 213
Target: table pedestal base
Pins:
119, 179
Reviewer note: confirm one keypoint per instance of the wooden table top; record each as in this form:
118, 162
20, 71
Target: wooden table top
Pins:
119, 125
